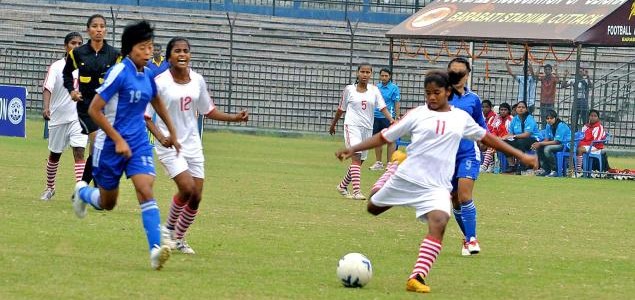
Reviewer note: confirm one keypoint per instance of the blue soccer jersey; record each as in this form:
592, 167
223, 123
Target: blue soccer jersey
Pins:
563, 133
471, 103
127, 93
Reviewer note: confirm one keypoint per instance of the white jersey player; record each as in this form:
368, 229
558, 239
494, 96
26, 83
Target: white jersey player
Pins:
422, 181
63, 124
185, 94
359, 102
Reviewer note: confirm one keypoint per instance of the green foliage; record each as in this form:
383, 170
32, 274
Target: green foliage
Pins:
272, 226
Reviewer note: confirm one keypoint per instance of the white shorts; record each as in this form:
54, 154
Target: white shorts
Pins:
175, 165
593, 150
400, 192
62, 135
354, 135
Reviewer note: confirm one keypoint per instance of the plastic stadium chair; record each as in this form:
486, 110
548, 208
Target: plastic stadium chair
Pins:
587, 165
562, 157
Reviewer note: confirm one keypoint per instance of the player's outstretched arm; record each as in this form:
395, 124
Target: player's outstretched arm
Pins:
375, 141
215, 114
95, 111
498, 144
160, 109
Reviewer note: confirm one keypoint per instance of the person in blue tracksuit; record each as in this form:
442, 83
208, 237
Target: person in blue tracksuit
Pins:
557, 135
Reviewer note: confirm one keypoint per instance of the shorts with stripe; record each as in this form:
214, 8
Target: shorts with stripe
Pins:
108, 166
354, 135
63, 135
175, 164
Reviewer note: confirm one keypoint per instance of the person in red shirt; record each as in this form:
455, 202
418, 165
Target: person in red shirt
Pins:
498, 126
548, 84
488, 113
593, 131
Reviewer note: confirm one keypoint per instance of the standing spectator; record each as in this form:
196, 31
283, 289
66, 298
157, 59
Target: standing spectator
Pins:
593, 131
390, 92
122, 143
468, 158
523, 132
557, 135
499, 127
158, 64
581, 101
64, 128
531, 87
359, 101
92, 60
548, 84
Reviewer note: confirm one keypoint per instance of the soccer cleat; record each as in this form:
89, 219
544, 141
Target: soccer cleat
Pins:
552, 174
79, 206
182, 246
482, 169
473, 246
167, 237
357, 196
47, 194
417, 284
343, 192
540, 172
158, 256
464, 250
378, 166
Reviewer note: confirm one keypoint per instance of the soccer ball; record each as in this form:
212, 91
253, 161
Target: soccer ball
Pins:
398, 156
354, 270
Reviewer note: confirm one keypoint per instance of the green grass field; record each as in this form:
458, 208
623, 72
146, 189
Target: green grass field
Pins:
271, 226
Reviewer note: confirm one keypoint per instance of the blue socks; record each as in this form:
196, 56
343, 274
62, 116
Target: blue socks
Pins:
151, 222
90, 195
459, 219
468, 214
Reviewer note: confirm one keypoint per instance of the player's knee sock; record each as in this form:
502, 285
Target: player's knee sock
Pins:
79, 170
91, 196
468, 214
578, 163
176, 208
87, 176
487, 159
428, 252
347, 179
151, 221
185, 220
356, 178
459, 219
51, 173
391, 168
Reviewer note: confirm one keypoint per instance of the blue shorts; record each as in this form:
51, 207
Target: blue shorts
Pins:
466, 167
380, 124
108, 166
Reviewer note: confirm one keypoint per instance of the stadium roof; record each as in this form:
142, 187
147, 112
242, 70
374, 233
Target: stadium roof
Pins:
563, 22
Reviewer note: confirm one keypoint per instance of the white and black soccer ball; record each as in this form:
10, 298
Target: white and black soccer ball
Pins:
354, 270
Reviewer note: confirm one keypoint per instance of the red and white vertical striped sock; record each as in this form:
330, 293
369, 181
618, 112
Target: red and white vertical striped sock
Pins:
487, 158
428, 252
578, 163
51, 172
79, 170
185, 220
391, 168
346, 180
355, 171
175, 211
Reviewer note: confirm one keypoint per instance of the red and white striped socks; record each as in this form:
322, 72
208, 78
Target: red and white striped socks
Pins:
391, 168
51, 173
79, 170
355, 171
175, 211
428, 252
185, 220
346, 180
487, 158
578, 163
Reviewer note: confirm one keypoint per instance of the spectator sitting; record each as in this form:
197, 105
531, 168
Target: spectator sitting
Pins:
500, 128
523, 131
488, 113
513, 112
593, 131
557, 135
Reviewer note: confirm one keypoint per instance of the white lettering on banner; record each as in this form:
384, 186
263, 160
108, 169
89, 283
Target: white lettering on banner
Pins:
3, 108
619, 30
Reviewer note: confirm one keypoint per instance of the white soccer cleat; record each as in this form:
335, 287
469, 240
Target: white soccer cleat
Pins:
377, 166
357, 196
158, 256
343, 192
79, 206
464, 250
167, 237
182, 246
47, 194
473, 246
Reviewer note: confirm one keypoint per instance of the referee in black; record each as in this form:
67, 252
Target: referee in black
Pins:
92, 60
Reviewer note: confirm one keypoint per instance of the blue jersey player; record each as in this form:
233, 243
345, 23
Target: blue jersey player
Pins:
468, 157
122, 142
